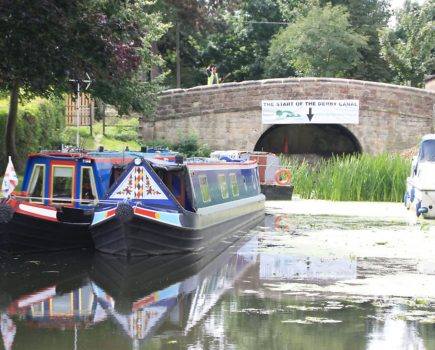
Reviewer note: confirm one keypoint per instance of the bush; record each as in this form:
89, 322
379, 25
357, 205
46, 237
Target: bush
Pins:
39, 126
187, 145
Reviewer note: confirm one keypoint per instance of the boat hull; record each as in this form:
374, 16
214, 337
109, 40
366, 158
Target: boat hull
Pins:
277, 192
138, 236
29, 234
421, 200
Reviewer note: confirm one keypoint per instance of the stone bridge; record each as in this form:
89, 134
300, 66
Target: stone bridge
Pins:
229, 116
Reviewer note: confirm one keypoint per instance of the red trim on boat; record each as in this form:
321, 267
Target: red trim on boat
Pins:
145, 212
38, 211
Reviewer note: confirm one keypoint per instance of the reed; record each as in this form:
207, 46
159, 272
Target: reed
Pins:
362, 177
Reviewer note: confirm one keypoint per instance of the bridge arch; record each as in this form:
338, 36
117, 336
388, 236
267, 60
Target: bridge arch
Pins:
320, 139
228, 116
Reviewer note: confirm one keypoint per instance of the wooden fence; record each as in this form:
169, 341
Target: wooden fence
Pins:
86, 113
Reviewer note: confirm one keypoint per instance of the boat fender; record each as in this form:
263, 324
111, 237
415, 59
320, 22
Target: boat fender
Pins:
417, 208
124, 212
6, 213
283, 177
412, 195
423, 210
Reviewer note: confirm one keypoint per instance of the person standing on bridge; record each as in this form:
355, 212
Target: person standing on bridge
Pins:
212, 74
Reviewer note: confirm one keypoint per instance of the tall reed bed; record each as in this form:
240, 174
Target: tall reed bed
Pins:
361, 177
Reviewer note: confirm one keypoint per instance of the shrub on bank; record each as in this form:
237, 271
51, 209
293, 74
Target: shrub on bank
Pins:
187, 145
361, 177
39, 126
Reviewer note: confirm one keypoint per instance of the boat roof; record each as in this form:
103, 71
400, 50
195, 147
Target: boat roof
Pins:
101, 155
428, 137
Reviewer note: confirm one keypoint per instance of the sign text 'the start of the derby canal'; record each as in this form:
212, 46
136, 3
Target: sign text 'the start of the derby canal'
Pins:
310, 111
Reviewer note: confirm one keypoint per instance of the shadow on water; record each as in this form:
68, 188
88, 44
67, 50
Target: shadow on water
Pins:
232, 296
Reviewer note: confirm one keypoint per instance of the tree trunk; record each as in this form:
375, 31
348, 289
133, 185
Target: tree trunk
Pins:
155, 71
11, 126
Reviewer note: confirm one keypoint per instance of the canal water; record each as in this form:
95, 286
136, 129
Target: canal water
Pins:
283, 286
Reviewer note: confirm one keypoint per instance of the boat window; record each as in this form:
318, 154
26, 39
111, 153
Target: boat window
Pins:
38, 309
61, 305
62, 184
88, 191
203, 184
234, 185
36, 185
223, 185
427, 150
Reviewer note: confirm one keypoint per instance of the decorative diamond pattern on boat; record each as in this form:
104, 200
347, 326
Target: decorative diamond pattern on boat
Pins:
138, 184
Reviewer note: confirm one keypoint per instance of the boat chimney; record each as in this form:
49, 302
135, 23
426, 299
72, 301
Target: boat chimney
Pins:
101, 149
179, 159
144, 149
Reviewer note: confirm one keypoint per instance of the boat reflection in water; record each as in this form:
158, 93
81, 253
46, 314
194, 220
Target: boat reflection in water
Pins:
45, 292
141, 294
55, 300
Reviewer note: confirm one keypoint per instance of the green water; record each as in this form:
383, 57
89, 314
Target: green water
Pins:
250, 296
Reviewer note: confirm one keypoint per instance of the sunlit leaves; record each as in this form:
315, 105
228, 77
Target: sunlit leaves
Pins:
321, 44
409, 46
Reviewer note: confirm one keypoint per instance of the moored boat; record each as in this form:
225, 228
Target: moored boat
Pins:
158, 207
420, 185
275, 180
56, 205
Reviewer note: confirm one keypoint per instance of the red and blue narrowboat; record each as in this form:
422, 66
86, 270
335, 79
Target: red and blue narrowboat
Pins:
60, 190
159, 207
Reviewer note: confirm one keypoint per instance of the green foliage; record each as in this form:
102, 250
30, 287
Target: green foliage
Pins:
187, 145
322, 43
240, 41
40, 126
351, 178
367, 17
409, 46
46, 43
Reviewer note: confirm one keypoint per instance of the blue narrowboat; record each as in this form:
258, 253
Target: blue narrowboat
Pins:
60, 190
159, 207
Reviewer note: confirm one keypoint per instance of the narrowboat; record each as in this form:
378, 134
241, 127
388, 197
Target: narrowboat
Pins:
275, 180
420, 185
159, 207
56, 205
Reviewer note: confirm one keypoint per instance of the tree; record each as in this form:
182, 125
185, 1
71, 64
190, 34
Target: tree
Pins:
240, 41
46, 43
408, 47
191, 23
320, 44
368, 17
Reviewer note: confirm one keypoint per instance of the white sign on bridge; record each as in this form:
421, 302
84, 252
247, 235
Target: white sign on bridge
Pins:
310, 111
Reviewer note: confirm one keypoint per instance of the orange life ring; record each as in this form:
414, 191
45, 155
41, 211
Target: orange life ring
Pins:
283, 177
280, 224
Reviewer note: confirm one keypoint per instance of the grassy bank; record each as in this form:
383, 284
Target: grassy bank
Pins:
351, 178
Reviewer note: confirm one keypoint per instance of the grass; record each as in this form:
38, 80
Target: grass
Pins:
116, 138
351, 178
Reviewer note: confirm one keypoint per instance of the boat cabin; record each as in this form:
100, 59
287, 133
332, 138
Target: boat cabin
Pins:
76, 180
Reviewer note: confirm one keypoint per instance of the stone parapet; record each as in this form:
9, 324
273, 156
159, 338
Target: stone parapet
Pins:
228, 116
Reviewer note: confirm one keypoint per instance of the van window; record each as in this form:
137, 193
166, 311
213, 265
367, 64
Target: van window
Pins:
36, 185
62, 184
